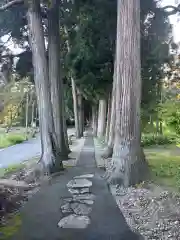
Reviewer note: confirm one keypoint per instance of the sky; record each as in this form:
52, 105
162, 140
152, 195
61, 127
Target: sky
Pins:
173, 21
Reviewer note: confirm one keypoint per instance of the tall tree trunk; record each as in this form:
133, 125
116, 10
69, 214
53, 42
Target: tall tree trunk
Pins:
94, 119
111, 135
151, 122
102, 118
113, 115
74, 93
36, 38
65, 130
75, 107
80, 112
55, 79
108, 119
37, 116
157, 125
32, 114
128, 160
161, 128
27, 113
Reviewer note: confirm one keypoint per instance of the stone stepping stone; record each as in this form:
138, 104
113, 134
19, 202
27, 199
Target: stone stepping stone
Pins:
79, 183
80, 208
68, 200
86, 201
74, 221
78, 191
84, 190
73, 191
84, 176
89, 196
66, 208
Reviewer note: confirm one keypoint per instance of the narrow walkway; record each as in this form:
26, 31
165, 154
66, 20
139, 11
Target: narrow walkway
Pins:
93, 215
24, 151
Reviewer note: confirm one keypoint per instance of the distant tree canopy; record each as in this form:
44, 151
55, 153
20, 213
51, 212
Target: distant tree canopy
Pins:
91, 29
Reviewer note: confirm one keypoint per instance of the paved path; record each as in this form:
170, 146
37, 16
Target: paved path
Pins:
97, 218
22, 152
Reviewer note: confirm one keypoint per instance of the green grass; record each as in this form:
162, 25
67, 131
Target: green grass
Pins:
11, 169
11, 228
150, 139
165, 166
9, 139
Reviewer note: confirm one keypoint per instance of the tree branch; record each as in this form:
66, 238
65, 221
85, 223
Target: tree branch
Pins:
4, 43
173, 11
10, 4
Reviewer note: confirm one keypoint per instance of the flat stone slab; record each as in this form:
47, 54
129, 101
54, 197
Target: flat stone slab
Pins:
89, 196
84, 190
73, 191
68, 199
66, 208
88, 202
79, 183
80, 208
77, 191
74, 221
84, 176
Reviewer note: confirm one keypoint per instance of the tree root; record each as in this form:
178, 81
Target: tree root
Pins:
107, 153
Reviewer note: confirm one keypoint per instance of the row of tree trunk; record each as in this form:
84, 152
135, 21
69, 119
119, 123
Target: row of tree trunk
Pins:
120, 124
49, 85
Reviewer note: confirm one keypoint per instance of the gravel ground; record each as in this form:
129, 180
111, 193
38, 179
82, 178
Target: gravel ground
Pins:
148, 209
154, 214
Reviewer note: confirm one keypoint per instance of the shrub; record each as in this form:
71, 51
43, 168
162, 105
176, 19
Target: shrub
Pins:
170, 113
151, 139
15, 138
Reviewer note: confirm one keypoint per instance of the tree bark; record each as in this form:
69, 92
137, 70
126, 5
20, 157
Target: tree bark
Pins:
32, 114
111, 135
27, 113
74, 94
56, 84
37, 116
80, 112
36, 37
157, 125
75, 107
102, 118
94, 120
65, 129
161, 128
128, 162
108, 119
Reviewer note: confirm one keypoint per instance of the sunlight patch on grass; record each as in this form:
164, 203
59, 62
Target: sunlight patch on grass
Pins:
11, 228
9, 139
165, 168
11, 169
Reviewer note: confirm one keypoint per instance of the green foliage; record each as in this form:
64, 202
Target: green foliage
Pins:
92, 47
15, 138
170, 113
9, 139
165, 166
151, 139
11, 227
156, 31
